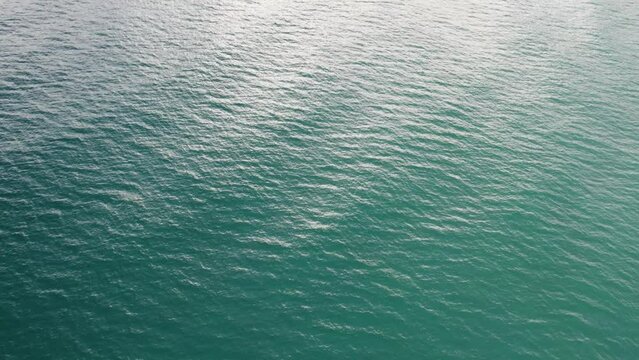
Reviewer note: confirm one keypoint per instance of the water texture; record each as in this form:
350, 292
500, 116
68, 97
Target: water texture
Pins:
319, 179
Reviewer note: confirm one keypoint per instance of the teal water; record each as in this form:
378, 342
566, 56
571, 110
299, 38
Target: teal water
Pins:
319, 179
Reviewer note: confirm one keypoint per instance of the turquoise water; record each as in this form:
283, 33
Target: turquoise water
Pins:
319, 179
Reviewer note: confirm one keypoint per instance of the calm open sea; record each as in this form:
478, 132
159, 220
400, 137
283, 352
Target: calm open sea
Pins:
319, 179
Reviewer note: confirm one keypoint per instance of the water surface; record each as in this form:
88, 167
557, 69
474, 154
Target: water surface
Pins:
319, 179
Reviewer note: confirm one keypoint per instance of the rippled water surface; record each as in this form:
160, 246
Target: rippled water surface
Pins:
319, 179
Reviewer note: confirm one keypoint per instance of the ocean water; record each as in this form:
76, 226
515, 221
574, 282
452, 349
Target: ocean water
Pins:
319, 179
